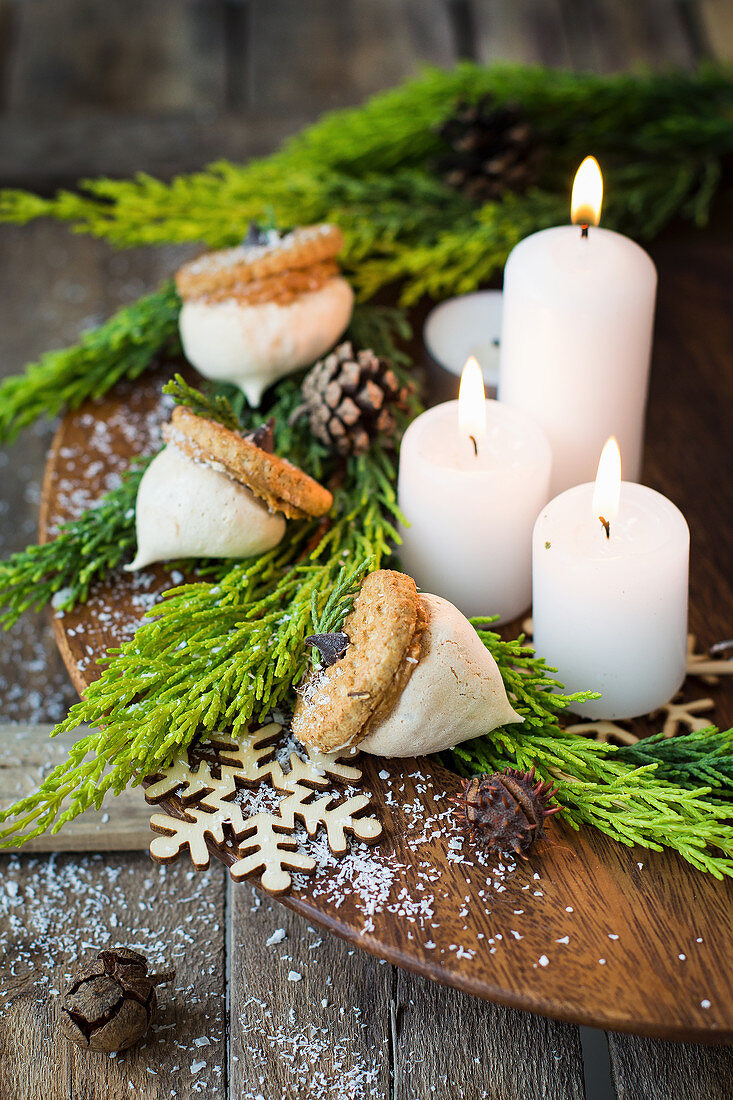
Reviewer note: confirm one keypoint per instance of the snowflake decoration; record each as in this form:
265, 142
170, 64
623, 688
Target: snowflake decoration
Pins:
203, 809
680, 715
709, 669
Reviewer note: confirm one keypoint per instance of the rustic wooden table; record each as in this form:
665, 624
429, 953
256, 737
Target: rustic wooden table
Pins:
178, 84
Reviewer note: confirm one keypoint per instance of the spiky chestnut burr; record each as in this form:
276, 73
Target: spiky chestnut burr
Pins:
507, 810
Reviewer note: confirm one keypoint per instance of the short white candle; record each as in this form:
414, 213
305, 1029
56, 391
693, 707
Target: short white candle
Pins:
576, 339
471, 509
610, 612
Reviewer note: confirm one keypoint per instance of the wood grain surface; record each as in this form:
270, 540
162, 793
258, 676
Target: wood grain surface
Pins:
27, 755
628, 962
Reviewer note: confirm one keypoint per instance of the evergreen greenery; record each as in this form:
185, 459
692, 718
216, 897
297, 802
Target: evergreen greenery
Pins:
703, 757
661, 140
84, 550
661, 803
214, 406
123, 347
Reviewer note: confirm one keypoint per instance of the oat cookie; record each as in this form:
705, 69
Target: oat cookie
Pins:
282, 486
296, 263
341, 704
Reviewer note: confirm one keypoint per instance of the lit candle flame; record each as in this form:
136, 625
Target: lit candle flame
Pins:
607, 489
587, 198
472, 404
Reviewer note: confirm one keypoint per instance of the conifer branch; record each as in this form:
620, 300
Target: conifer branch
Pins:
122, 347
662, 139
83, 551
213, 406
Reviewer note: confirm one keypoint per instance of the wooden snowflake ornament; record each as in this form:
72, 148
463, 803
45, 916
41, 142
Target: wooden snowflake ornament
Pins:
706, 666
207, 802
680, 715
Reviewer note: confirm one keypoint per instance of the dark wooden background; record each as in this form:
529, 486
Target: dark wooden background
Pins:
90, 87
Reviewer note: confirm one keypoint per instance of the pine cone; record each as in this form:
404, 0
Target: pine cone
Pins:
506, 810
492, 149
109, 1004
350, 399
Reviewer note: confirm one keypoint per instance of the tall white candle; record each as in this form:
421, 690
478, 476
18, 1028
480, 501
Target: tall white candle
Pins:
576, 338
470, 508
610, 609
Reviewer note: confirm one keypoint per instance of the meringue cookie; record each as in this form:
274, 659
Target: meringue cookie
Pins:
187, 509
455, 691
252, 345
414, 678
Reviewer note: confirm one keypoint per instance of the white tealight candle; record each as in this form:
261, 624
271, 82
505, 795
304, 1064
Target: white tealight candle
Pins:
610, 574
576, 336
473, 476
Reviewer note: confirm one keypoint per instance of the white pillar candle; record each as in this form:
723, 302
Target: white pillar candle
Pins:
576, 339
610, 610
470, 509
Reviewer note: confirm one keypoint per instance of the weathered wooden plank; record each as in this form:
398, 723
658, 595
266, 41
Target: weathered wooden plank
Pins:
54, 912
341, 52
309, 1015
78, 55
488, 1051
716, 19
27, 755
531, 31
45, 153
612, 35
648, 1069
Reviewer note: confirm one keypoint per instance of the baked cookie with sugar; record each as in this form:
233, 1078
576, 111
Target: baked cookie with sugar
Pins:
414, 677
272, 305
213, 493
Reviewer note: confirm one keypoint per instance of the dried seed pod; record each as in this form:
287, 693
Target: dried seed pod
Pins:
109, 1003
505, 810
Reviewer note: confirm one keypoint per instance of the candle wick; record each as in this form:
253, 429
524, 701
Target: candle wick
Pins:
584, 231
605, 524
475, 444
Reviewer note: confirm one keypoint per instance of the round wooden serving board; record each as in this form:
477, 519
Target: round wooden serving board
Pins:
586, 931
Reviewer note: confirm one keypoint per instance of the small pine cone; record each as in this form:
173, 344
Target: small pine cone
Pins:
351, 398
505, 810
489, 150
109, 1003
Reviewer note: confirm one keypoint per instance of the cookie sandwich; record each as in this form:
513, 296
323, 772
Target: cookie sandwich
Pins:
257, 312
212, 493
410, 676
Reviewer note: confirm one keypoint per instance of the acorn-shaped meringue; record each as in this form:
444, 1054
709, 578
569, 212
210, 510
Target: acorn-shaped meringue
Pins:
212, 493
269, 307
414, 677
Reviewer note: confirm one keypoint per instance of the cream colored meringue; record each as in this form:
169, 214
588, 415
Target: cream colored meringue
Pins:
253, 345
455, 691
186, 509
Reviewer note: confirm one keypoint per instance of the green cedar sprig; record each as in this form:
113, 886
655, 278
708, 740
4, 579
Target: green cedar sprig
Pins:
328, 618
213, 406
704, 757
122, 347
661, 803
83, 551
661, 138
215, 655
